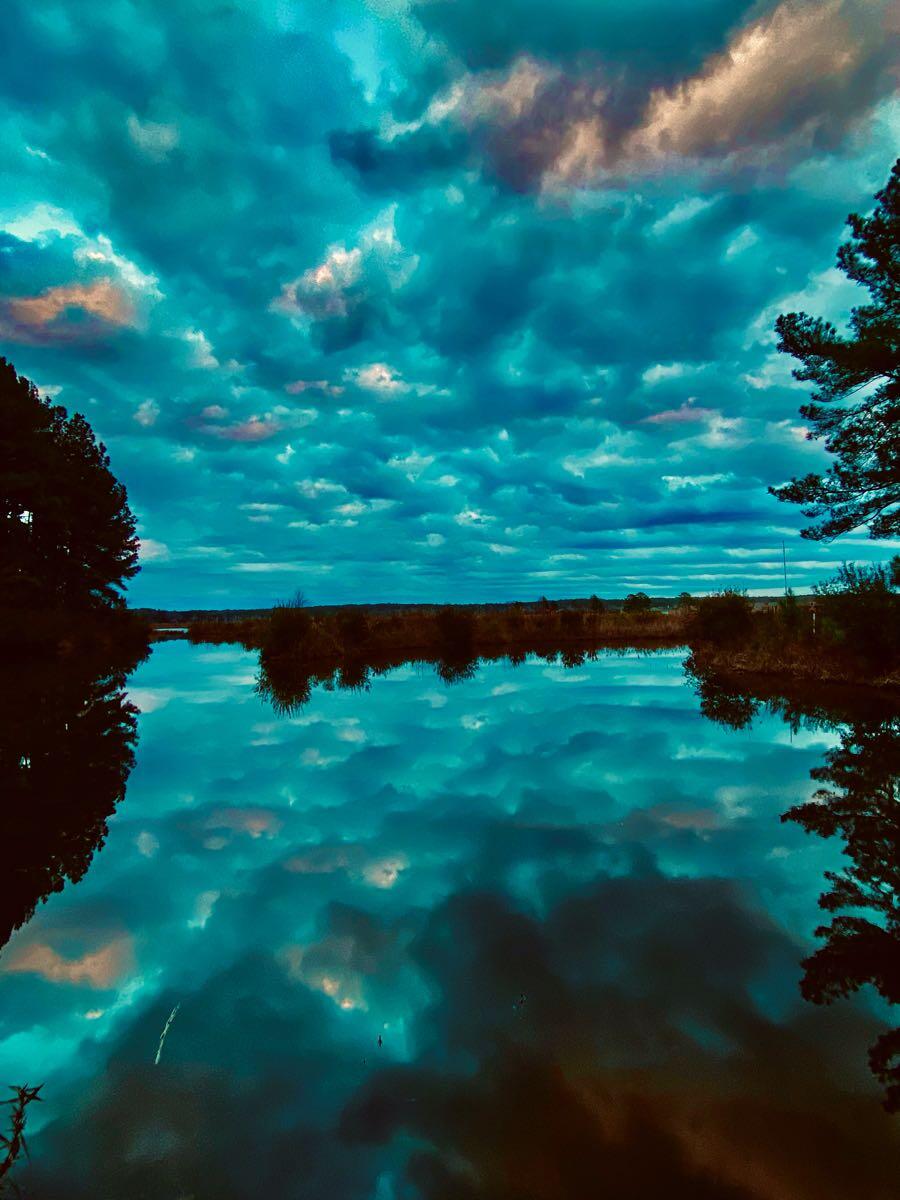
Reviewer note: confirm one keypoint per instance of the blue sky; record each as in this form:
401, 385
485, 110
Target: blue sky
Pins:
426, 300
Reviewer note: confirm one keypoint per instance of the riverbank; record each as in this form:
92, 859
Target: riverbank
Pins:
800, 661
847, 634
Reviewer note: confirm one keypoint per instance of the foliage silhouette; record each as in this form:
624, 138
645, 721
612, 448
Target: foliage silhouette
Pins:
855, 406
721, 619
637, 602
13, 1145
849, 632
345, 649
861, 610
67, 535
67, 739
859, 802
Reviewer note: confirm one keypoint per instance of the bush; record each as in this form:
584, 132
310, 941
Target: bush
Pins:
722, 619
455, 629
353, 624
289, 626
637, 602
861, 611
571, 622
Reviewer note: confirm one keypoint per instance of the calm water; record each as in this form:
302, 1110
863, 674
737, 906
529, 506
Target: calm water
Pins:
537, 934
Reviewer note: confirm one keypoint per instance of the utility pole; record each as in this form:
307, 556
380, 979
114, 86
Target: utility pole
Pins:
784, 564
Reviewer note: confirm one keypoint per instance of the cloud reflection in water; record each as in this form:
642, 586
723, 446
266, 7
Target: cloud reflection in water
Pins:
570, 913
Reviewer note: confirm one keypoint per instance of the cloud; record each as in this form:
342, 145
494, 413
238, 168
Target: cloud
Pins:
146, 413
254, 429
153, 551
685, 413
38, 318
799, 75
771, 83
346, 280
377, 377
154, 139
299, 386
99, 968
201, 350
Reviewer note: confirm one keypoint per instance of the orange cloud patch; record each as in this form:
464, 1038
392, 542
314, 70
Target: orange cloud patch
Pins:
102, 299
742, 95
256, 429
686, 413
100, 968
253, 821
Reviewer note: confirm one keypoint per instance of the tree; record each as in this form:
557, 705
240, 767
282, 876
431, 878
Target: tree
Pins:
855, 406
67, 737
637, 602
861, 804
67, 535
722, 619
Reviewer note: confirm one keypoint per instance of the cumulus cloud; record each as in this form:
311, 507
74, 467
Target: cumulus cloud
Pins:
43, 317
377, 377
348, 278
799, 75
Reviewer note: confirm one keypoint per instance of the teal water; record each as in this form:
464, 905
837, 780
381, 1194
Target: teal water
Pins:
535, 934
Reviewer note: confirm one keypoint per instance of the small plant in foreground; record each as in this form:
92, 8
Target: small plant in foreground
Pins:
15, 1143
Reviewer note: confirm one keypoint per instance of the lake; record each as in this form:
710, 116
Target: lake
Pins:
537, 933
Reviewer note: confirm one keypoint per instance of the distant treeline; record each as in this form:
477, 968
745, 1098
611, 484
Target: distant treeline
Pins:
326, 632
183, 617
849, 631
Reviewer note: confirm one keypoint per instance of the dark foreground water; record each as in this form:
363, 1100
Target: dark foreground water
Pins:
534, 935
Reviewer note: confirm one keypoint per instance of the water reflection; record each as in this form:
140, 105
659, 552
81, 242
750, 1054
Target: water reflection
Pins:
533, 936
288, 683
67, 738
859, 803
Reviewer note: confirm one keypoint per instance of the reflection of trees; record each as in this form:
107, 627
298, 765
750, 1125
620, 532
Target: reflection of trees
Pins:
66, 749
287, 680
860, 803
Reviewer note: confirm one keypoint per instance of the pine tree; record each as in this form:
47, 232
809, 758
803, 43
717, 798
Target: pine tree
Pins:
855, 407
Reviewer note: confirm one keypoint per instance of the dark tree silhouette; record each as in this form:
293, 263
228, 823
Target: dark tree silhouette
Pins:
67, 535
860, 804
637, 602
855, 406
67, 735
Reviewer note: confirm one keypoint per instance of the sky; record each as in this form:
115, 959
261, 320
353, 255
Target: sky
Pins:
438, 299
